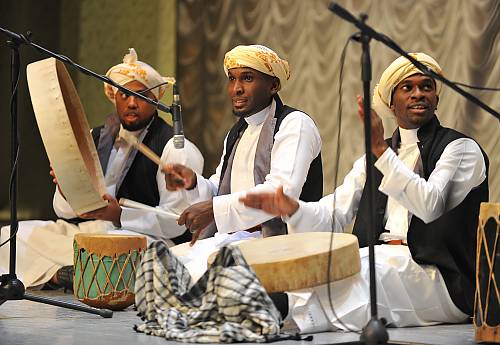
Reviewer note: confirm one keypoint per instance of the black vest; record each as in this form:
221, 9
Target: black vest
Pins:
313, 186
448, 242
139, 183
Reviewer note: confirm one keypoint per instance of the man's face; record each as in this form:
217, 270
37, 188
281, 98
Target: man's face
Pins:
250, 90
134, 113
414, 101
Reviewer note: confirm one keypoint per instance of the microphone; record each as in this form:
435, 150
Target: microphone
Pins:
342, 12
177, 119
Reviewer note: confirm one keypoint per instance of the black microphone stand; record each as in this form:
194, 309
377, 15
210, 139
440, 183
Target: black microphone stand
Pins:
375, 331
11, 288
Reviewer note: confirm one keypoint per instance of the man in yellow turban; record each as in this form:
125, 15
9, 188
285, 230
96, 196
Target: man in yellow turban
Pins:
398, 70
270, 145
127, 173
431, 180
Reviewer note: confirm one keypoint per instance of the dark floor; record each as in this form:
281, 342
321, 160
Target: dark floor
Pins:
27, 322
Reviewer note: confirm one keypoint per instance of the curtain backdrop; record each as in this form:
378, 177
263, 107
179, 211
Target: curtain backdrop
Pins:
463, 36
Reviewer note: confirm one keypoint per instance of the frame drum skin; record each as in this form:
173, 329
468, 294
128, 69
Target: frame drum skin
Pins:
296, 261
66, 135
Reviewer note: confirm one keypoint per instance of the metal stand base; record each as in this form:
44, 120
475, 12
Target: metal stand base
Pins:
12, 288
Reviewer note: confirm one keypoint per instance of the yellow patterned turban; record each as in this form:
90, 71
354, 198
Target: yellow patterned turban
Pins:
131, 69
260, 58
397, 71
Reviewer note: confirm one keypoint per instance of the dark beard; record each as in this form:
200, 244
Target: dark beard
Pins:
240, 114
139, 125
135, 127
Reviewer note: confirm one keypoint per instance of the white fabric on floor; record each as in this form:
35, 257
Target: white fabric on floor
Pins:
408, 294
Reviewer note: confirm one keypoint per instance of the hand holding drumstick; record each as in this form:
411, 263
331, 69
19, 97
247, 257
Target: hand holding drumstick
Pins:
177, 176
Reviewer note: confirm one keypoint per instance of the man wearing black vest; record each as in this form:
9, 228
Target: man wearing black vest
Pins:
431, 180
46, 246
270, 145
128, 173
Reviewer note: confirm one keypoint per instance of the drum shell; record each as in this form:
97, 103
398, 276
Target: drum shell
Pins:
105, 277
295, 261
66, 135
487, 306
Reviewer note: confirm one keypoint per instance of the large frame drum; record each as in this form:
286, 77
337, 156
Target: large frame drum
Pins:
105, 268
486, 304
66, 135
296, 261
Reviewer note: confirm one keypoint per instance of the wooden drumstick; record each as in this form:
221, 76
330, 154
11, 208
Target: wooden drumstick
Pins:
132, 140
146, 151
137, 205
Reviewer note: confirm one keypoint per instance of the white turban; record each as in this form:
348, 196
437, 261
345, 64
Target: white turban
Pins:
260, 58
397, 71
131, 69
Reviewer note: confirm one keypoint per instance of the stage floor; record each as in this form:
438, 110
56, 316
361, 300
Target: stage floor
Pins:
27, 322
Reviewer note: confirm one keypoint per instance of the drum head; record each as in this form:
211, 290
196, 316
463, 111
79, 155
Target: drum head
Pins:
66, 135
295, 261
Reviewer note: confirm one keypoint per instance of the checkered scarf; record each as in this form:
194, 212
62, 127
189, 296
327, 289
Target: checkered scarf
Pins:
227, 304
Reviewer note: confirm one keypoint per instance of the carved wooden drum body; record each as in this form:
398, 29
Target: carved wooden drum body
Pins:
105, 267
66, 135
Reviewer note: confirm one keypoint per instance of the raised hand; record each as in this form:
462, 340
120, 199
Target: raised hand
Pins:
178, 176
378, 143
111, 212
277, 204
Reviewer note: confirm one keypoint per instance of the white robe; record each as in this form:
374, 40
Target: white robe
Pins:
45, 246
296, 144
408, 294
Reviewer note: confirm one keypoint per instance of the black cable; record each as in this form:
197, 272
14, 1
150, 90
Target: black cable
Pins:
337, 159
14, 165
158, 85
480, 88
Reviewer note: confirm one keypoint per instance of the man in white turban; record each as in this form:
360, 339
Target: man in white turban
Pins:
431, 180
133, 70
128, 174
271, 144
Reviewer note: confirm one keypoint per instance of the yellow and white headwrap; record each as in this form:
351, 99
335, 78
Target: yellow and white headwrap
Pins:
131, 69
260, 58
397, 71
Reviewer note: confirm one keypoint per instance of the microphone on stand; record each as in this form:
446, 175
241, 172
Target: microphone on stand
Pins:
177, 119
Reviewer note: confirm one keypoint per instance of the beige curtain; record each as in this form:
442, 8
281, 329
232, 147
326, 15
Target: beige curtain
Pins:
463, 35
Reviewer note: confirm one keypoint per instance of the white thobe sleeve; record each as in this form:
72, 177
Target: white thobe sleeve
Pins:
319, 216
460, 168
296, 144
62, 207
155, 224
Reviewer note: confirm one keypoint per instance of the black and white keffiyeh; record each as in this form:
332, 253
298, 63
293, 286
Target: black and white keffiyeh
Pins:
227, 304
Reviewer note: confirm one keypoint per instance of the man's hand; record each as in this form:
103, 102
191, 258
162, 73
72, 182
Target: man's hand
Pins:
111, 212
378, 143
54, 179
178, 176
277, 204
197, 217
